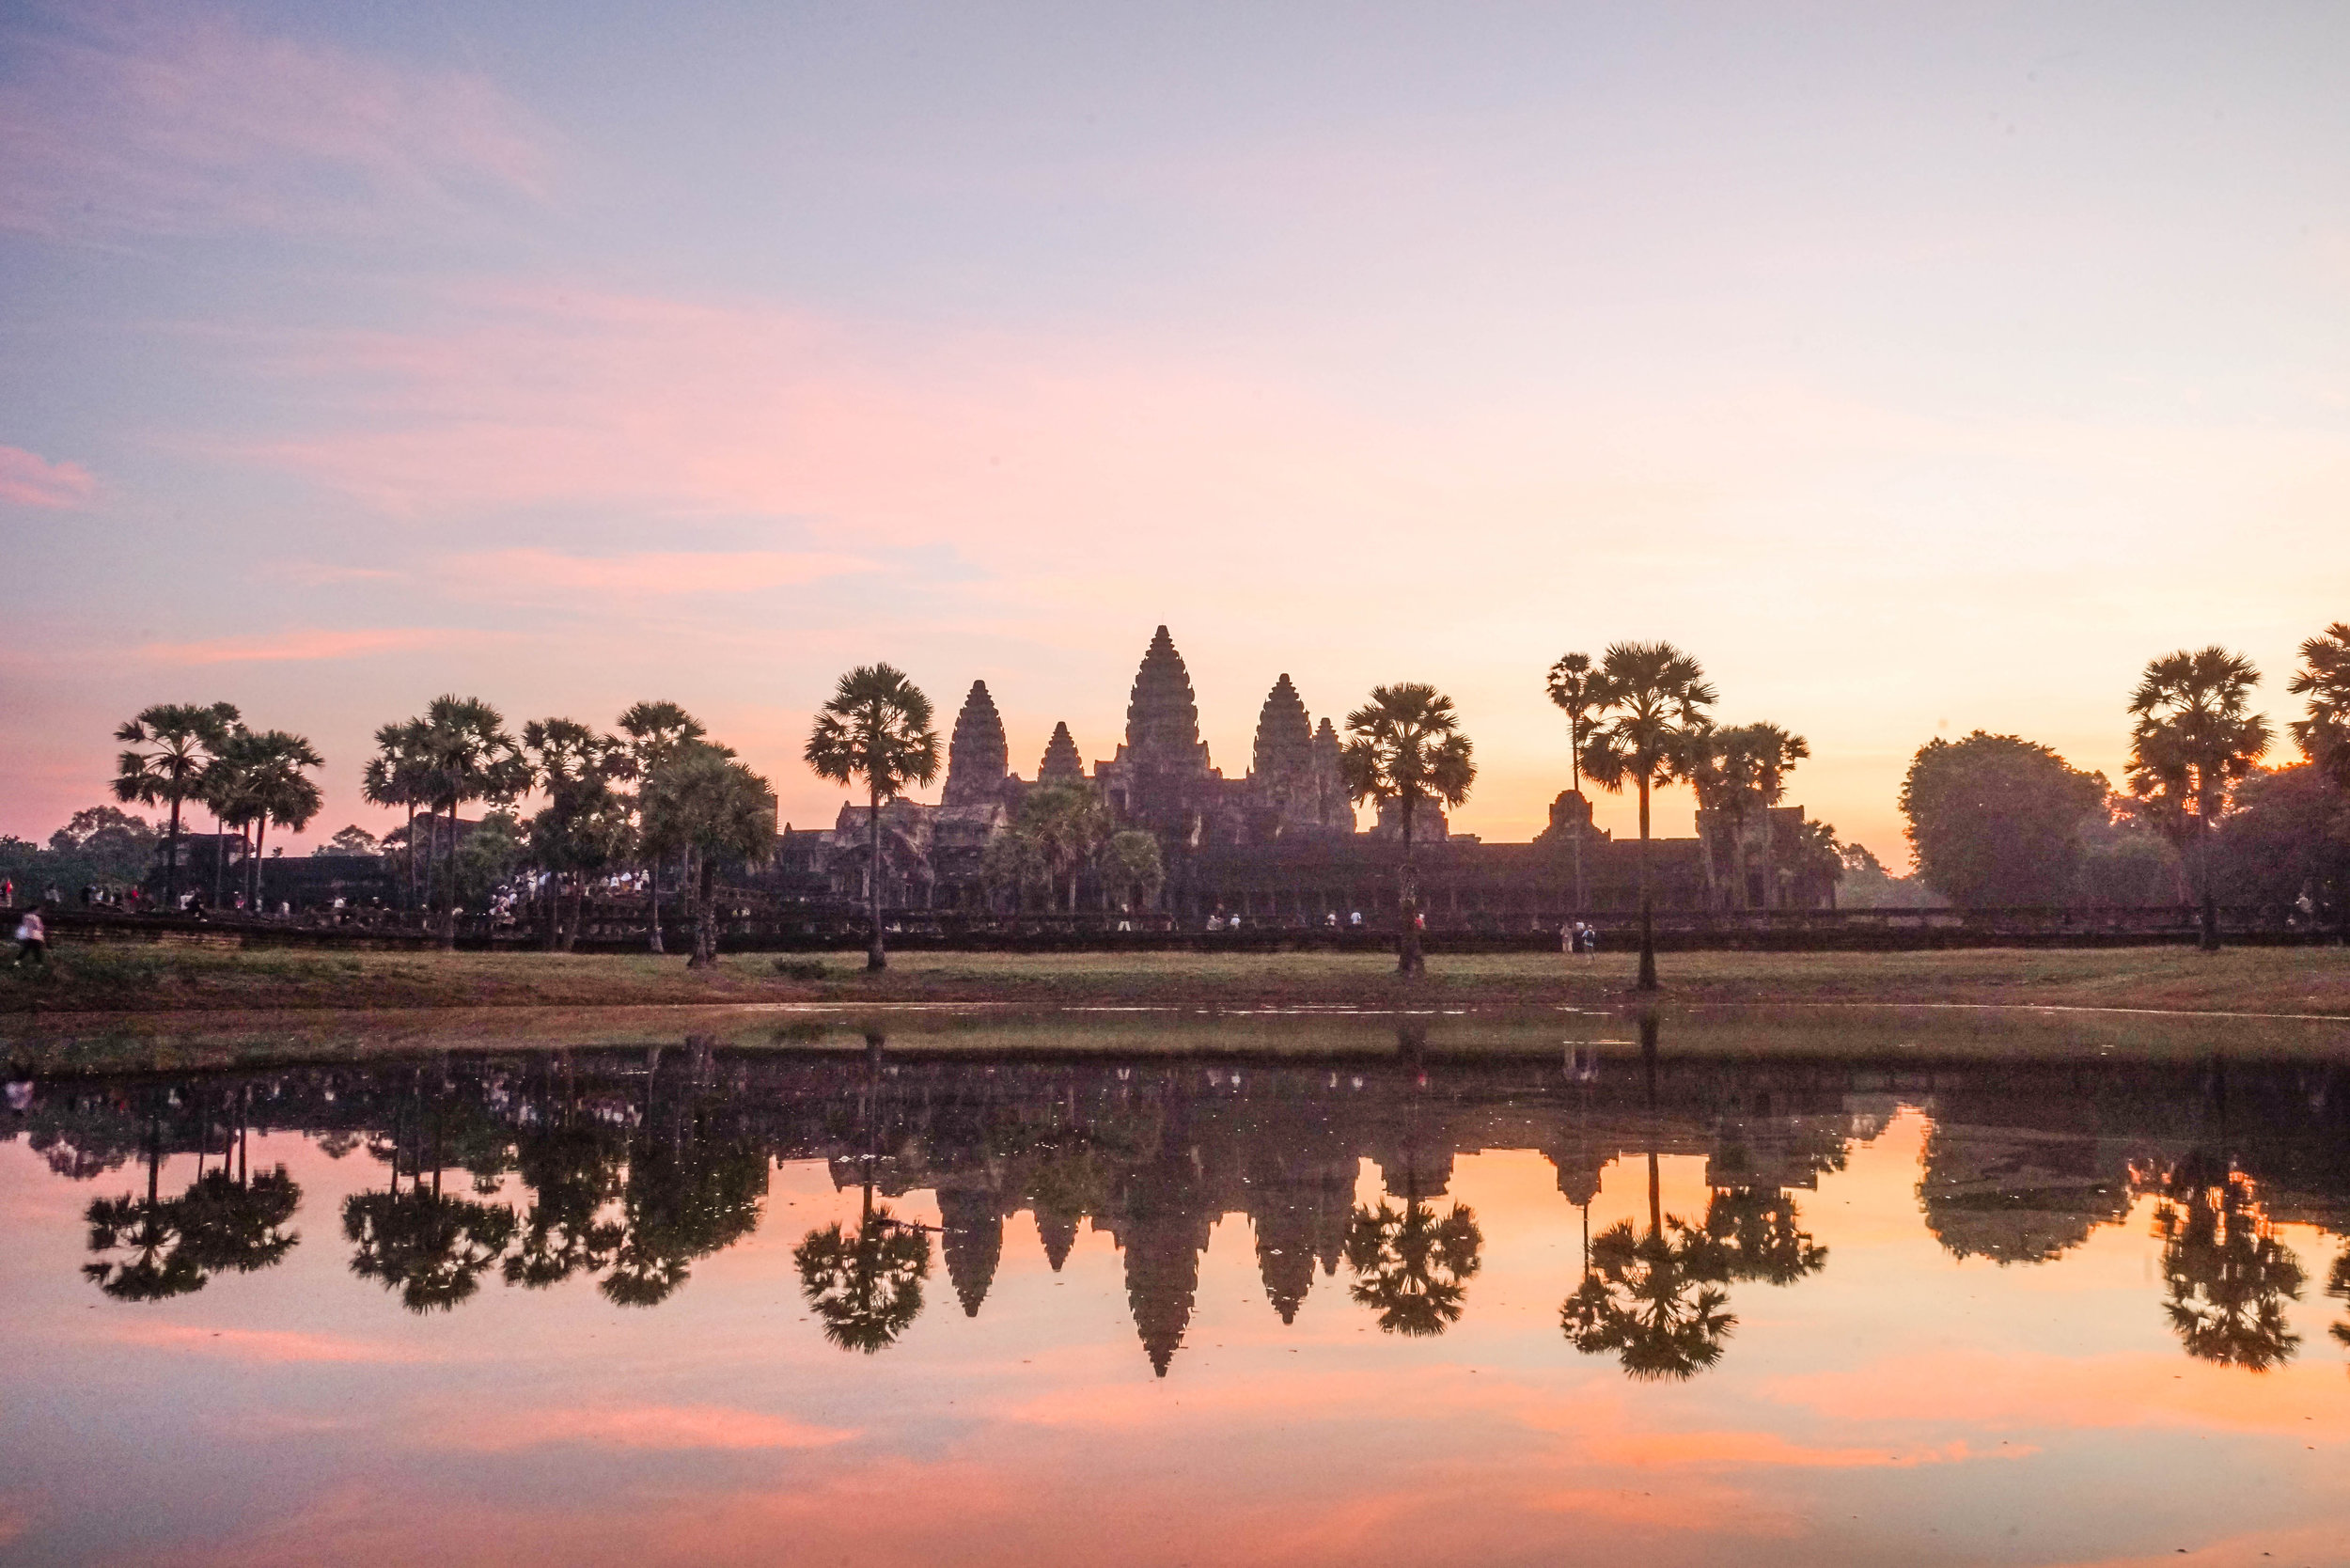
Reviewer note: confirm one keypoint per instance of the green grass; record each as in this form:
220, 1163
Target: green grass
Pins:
146, 980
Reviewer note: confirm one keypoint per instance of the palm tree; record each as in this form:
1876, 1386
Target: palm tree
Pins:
153, 1236
473, 758
272, 786
584, 827
2324, 678
1131, 864
167, 747
709, 807
877, 728
1652, 697
2195, 739
400, 774
656, 730
1404, 745
1759, 1231
1572, 687
1065, 826
1738, 773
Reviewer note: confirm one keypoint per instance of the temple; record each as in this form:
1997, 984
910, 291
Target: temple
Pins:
1282, 844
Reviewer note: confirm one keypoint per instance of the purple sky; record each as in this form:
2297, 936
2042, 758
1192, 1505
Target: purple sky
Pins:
1917, 368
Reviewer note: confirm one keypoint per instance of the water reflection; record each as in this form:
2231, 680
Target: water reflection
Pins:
628, 1168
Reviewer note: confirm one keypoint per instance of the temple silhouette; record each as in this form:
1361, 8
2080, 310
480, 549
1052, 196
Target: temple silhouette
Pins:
1281, 843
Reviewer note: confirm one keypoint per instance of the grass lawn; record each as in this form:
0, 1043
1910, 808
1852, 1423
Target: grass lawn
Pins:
145, 980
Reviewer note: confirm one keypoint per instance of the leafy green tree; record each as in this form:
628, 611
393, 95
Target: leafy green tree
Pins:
1010, 865
401, 775
1995, 819
237, 1225
351, 839
485, 857
876, 727
114, 847
2227, 1278
2324, 733
655, 732
2195, 740
691, 1193
1411, 1266
1573, 686
709, 807
584, 828
473, 758
2337, 1286
866, 1284
165, 750
1130, 865
1760, 1234
1652, 697
2286, 839
430, 1248
1739, 771
1405, 746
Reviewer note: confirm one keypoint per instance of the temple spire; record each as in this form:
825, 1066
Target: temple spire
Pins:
1061, 764
1162, 718
977, 756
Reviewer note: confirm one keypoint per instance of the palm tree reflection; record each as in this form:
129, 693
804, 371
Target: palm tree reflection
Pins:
866, 1284
1410, 1266
156, 1262
1653, 1300
2227, 1277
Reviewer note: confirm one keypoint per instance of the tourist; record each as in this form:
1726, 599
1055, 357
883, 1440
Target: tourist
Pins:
1570, 935
1355, 920
32, 939
1215, 920
8, 892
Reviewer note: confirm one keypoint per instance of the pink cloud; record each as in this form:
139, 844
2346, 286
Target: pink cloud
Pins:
298, 645
534, 571
148, 118
242, 1344
26, 480
658, 1426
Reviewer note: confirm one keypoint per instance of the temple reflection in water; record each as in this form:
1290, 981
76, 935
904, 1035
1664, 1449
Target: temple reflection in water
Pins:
630, 1166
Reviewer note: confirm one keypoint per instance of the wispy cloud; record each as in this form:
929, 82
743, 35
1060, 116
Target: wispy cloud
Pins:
27, 480
660, 1426
140, 118
300, 645
245, 1344
533, 573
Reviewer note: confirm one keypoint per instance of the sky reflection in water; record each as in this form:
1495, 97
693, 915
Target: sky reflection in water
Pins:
893, 1307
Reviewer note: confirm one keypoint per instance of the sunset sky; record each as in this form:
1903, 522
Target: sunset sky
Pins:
1917, 368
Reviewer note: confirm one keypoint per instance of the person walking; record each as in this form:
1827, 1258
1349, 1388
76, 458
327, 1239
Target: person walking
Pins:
32, 939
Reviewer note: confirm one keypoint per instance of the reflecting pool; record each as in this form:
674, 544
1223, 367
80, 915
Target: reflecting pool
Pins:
1362, 1290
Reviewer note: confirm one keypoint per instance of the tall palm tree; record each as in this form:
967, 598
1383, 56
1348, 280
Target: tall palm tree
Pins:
584, 827
1572, 685
400, 774
877, 728
2324, 678
1405, 746
473, 758
167, 748
1652, 697
1740, 772
708, 807
656, 730
2195, 739
271, 785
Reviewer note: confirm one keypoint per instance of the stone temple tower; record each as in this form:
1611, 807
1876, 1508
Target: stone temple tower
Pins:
978, 760
1061, 764
1294, 784
1162, 718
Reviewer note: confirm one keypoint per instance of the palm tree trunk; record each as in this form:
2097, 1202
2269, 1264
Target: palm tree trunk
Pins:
655, 944
1409, 960
448, 884
412, 854
2211, 904
171, 862
706, 914
261, 830
220, 856
874, 958
1648, 919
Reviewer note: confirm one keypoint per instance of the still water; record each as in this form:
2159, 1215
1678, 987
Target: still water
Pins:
1375, 1295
